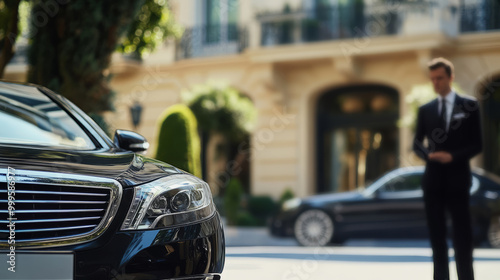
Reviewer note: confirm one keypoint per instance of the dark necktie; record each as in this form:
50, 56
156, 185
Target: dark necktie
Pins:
443, 114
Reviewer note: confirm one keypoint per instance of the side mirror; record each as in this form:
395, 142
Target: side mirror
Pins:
130, 141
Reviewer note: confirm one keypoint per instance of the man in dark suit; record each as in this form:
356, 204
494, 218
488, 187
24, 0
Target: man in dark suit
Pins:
451, 123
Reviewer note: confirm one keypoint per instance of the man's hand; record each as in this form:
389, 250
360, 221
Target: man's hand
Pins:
442, 157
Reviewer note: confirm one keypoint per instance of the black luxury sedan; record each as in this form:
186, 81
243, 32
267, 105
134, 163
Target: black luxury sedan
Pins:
76, 205
391, 207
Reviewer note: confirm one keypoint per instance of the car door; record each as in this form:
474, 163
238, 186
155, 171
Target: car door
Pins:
394, 210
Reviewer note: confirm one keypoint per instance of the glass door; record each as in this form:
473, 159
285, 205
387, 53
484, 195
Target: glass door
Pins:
355, 157
357, 136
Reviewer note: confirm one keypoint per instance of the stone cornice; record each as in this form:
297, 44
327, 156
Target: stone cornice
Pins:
364, 46
479, 42
350, 48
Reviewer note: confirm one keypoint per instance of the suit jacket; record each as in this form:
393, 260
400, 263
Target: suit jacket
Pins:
463, 138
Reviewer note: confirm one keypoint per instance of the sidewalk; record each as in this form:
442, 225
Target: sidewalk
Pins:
254, 236
260, 236
252, 253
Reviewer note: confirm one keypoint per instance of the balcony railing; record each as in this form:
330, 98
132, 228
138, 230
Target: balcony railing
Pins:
211, 40
341, 22
338, 22
480, 17
359, 19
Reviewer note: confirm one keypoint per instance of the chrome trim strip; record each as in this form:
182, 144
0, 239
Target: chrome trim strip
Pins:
57, 193
51, 229
56, 201
72, 180
53, 211
52, 220
139, 145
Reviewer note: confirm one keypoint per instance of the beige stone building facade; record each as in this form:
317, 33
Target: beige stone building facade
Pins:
328, 78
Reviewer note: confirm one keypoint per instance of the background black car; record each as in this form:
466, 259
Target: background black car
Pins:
85, 207
391, 207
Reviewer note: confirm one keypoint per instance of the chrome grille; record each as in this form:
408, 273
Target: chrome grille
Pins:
57, 211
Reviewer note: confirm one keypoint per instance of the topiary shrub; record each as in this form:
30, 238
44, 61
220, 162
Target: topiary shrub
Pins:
245, 219
286, 195
232, 200
178, 140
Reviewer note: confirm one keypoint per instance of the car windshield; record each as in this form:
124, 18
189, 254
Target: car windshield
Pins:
29, 117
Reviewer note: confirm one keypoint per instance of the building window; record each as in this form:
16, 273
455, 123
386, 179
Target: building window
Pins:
213, 20
221, 18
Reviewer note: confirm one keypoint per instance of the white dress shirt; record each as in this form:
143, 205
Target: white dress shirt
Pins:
449, 103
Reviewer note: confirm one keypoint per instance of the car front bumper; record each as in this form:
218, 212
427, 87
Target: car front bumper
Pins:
190, 252
201, 277
195, 251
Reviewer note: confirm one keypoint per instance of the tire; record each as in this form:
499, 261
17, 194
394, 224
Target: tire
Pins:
313, 228
494, 232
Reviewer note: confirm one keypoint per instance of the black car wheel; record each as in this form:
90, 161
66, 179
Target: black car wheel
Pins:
313, 228
494, 232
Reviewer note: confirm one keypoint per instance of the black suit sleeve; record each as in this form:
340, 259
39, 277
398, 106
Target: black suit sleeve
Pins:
475, 142
418, 142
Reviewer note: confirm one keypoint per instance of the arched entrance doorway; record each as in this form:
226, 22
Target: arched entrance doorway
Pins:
357, 136
491, 126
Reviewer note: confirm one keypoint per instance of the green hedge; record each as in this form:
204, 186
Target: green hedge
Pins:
241, 209
262, 207
178, 140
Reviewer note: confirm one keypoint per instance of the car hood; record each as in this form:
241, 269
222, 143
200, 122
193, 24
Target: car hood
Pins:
127, 168
323, 199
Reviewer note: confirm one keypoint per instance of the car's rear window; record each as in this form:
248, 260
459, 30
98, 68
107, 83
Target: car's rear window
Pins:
29, 117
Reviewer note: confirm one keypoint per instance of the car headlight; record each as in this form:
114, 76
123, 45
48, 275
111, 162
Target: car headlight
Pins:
174, 200
291, 204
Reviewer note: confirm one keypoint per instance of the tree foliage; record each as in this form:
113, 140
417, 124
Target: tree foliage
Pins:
221, 108
72, 43
152, 25
71, 52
